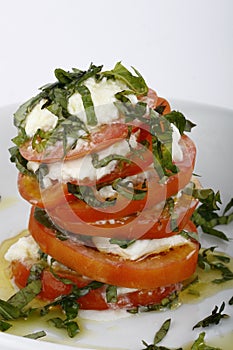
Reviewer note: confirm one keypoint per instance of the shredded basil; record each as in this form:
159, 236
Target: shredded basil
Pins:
35, 335
36, 271
56, 96
189, 234
179, 120
43, 218
162, 331
209, 261
87, 195
20, 162
123, 243
4, 326
99, 163
170, 302
14, 307
159, 336
205, 215
40, 139
111, 294
8, 311
88, 105
125, 189
70, 306
161, 132
24, 109
200, 344
25, 295
214, 318
70, 326
135, 82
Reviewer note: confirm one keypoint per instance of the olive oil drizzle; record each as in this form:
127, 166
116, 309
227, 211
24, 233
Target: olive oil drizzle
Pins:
199, 287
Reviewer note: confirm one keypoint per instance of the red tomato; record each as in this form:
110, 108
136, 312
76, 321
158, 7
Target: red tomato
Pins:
160, 270
30, 190
148, 223
159, 222
106, 135
57, 193
95, 299
161, 102
151, 99
78, 217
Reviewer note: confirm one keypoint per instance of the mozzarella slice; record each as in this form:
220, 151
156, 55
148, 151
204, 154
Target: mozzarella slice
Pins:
140, 248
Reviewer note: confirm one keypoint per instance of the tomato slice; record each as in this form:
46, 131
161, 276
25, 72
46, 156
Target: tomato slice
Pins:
160, 228
30, 190
160, 270
162, 102
77, 216
57, 193
105, 136
95, 299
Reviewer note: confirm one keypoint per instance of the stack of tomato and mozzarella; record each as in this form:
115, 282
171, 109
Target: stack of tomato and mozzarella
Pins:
107, 168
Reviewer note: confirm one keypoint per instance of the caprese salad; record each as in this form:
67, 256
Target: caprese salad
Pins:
107, 168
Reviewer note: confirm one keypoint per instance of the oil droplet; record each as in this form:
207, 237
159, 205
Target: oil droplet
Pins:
7, 202
194, 293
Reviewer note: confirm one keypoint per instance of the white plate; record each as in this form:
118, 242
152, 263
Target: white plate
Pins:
213, 136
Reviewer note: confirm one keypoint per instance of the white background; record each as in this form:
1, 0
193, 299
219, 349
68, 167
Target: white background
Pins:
183, 48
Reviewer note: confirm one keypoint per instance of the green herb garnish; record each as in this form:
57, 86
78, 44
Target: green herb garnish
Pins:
179, 120
205, 215
214, 318
88, 104
123, 243
159, 336
111, 294
71, 327
4, 326
200, 344
136, 83
88, 195
14, 307
20, 162
69, 305
99, 163
126, 189
35, 335
209, 261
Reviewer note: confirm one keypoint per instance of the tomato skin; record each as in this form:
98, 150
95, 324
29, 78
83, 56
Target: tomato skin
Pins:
162, 102
163, 269
162, 227
29, 189
106, 135
148, 224
57, 193
95, 299
76, 216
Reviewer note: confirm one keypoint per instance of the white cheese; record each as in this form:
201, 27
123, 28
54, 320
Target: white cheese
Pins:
103, 98
40, 118
107, 192
140, 248
33, 166
177, 154
82, 168
25, 248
